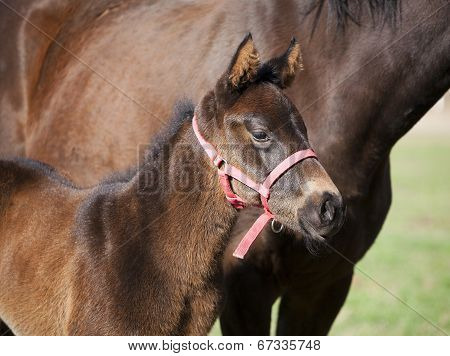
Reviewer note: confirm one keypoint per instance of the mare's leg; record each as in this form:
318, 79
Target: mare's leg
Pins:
5, 330
250, 284
312, 312
248, 303
312, 309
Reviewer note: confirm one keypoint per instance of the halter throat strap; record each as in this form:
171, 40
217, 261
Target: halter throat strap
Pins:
227, 171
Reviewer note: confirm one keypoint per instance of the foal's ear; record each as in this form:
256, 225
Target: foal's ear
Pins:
282, 70
245, 64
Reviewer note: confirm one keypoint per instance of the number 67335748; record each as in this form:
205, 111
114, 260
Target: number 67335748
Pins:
278, 344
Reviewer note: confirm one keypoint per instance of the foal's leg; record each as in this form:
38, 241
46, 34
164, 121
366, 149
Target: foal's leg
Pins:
248, 304
5, 330
306, 312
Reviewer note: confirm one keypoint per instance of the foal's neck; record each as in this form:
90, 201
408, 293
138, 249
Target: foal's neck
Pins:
168, 228
162, 234
193, 217
181, 229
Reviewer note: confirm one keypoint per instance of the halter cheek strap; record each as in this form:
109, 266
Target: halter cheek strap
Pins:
227, 171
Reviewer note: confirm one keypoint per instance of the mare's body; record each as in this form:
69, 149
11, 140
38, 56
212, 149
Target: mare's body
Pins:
362, 89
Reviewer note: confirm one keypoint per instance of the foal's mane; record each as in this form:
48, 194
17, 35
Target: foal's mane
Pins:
183, 111
343, 11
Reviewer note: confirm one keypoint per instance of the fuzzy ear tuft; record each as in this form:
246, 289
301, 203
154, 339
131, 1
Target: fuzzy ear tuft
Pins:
245, 64
282, 70
294, 61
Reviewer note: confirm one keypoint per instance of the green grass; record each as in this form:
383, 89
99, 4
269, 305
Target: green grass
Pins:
411, 256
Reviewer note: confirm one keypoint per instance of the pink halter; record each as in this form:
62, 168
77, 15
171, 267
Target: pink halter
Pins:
226, 171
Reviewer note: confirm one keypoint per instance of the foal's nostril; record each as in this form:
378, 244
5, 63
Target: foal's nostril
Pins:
324, 212
327, 212
329, 209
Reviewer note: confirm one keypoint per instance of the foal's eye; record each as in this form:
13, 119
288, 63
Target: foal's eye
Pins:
260, 136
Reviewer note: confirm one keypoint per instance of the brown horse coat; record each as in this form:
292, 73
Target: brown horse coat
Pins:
364, 86
140, 253
105, 261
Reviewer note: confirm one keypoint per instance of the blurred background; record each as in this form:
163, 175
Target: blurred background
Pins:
411, 256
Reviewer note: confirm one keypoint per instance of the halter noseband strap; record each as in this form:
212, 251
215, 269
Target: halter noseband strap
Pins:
226, 171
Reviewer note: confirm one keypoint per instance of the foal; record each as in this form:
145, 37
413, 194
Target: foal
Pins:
141, 253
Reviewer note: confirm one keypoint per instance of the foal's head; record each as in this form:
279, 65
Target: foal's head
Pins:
255, 126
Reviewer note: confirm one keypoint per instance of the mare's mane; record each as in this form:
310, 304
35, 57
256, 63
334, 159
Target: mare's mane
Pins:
343, 11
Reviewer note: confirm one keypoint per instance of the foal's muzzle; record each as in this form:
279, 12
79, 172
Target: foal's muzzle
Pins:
325, 214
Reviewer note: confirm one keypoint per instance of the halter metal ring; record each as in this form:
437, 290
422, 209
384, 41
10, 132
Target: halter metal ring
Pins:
274, 227
219, 162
